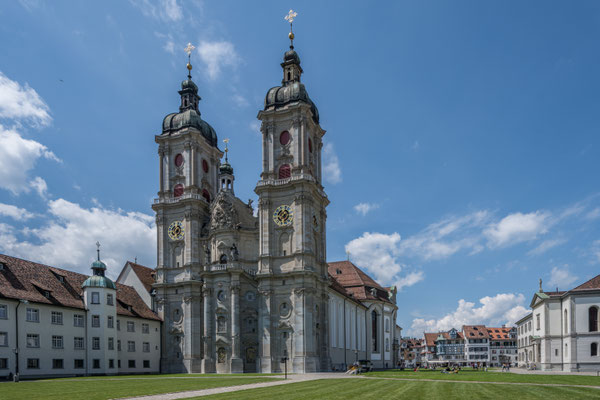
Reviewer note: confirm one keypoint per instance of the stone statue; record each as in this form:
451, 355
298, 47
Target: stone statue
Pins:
234, 254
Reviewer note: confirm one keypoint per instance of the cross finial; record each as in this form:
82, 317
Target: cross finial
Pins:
188, 49
541, 285
226, 141
98, 249
291, 15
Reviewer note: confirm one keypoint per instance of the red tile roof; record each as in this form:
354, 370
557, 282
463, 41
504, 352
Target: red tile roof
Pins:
145, 274
476, 332
499, 333
356, 282
593, 283
22, 279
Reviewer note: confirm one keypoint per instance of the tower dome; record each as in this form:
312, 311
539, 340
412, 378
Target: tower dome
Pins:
98, 279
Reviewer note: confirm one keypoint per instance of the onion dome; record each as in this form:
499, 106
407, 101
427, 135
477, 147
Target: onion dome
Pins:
226, 169
98, 279
291, 90
189, 115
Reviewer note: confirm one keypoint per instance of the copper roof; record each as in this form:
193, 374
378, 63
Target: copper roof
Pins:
476, 332
145, 274
356, 282
39, 283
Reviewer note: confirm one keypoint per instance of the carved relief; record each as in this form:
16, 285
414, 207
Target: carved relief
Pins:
223, 214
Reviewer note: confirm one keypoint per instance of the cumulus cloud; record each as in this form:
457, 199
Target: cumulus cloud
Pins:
18, 157
165, 10
67, 239
517, 228
15, 212
364, 208
561, 277
503, 308
332, 173
377, 253
22, 103
216, 56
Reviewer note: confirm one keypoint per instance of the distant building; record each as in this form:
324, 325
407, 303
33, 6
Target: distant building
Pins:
409, 352
503, 346
525, 342
477, 344
445, 348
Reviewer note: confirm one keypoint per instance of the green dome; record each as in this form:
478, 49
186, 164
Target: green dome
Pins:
226, 168
99, 281
98, 264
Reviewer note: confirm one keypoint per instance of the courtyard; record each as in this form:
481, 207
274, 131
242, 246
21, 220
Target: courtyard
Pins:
390, 384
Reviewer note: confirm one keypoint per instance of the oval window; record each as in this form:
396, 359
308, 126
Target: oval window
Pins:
205, 166
284, 138
178, 190
285, 171
179, 160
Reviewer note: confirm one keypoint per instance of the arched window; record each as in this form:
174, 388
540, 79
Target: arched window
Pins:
223, 259
594, 349
387, 344
206, 195
285, 171
221, 324
374, 331
566, 323
178, 190
593, 318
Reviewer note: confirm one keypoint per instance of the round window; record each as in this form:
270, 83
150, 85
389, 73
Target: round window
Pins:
178, 190
177, 315
178, 160
284, 309
221, 295
284, 138
205, 166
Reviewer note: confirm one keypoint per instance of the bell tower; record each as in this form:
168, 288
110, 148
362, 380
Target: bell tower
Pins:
292, 269
188, 182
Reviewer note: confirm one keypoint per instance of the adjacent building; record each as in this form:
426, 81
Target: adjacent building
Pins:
526, 357
503, 346
55, 322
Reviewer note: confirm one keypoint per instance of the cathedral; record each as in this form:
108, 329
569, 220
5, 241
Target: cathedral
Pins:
241, 290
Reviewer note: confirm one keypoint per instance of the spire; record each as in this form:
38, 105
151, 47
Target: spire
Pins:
226, 171
98, 266
291, 61
98, 249
189, 90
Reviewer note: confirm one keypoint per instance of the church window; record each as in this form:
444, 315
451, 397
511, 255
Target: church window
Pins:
206, 195
223, 259
309, 145
387, 344
284, 309
221, 295
178, 190
289, 76
566, 323
178, 160
593, 319
594, 349
374, 331
205, 166
284, 138
221, 324
285, 171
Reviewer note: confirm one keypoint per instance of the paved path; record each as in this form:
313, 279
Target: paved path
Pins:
328, 375
206, 392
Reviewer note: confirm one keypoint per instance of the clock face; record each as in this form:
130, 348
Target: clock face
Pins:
283, 215
176, 231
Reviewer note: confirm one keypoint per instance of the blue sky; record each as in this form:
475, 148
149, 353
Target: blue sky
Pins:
462, 146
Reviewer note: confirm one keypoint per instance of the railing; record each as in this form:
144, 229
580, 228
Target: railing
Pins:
232, 266
185, 196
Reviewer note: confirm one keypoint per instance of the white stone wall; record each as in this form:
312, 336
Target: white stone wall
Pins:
351, 325
139, 338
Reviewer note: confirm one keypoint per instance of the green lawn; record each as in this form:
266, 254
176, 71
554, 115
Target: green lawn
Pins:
100, 388
381, 389
470, 375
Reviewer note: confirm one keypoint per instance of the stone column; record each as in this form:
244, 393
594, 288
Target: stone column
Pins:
208, 362
161, 157
237, 364
264, 332
194, 182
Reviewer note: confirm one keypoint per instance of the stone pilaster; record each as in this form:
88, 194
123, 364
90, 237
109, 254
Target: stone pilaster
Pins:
264, 331
208, 362
237, 364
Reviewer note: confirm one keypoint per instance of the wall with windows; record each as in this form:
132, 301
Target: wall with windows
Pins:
347, 328
139, 342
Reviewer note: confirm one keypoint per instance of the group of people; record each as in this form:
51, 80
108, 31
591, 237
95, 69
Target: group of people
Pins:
506, 367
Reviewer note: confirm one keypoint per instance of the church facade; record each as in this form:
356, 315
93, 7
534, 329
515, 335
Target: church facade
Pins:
241, 290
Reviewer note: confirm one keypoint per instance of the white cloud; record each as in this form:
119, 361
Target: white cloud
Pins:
561, 277
364, 208
503, 308
166, 10
18, 156
22, 103
377, 253
448, 236
239, 100
255, 127
14, 212
546, 245
216, 56
594, 214
517, 228
332, 173
67, 239
40, 186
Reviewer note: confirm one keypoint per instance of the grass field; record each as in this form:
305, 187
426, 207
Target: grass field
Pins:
100, 388
382, 389
470, 375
